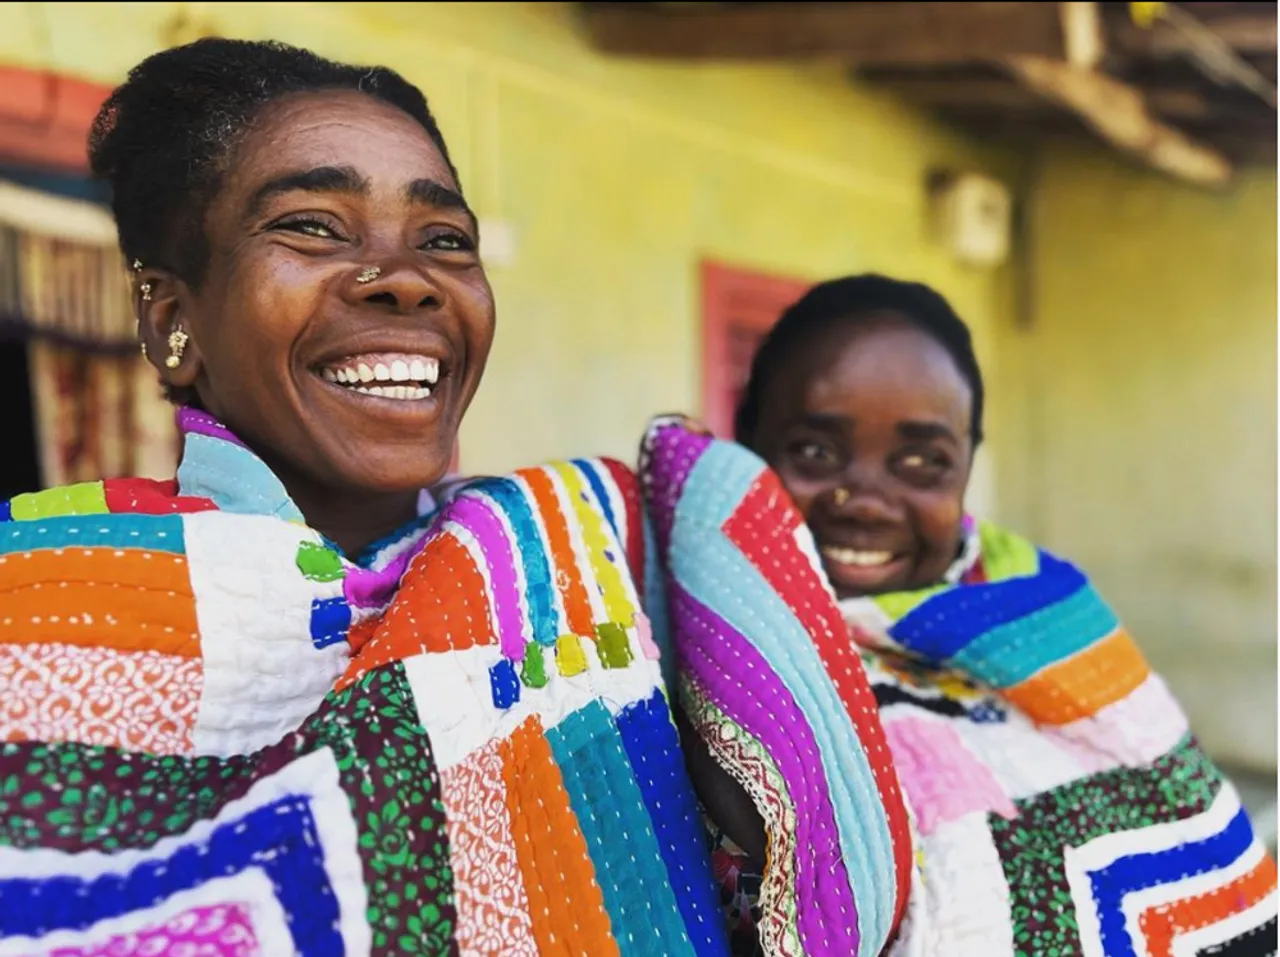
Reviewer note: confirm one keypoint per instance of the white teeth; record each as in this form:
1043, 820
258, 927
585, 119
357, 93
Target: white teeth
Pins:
403, 392
412, 374
851, 556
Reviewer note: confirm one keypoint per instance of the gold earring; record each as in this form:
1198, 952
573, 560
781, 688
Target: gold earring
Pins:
137, 265
840, 496
146, 288
368, 274
177, 345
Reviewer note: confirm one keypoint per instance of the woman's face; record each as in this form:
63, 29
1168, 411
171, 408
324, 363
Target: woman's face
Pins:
286, 342
868, 427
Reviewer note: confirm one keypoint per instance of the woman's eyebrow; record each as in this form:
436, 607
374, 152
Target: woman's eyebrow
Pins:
321, 179
920, 431
430, 193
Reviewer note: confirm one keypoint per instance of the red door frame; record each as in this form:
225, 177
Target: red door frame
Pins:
45, 118
742, 301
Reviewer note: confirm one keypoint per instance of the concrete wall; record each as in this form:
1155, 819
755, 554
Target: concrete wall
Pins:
1139, 422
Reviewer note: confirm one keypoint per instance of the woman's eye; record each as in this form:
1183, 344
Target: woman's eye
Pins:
813, 454
450, 243
923, 466
811, 450
310, 227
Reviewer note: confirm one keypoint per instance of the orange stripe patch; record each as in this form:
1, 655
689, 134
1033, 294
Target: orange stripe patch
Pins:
1084, 684
565, 901
573, 594
1160, 925
425, 618
125, 599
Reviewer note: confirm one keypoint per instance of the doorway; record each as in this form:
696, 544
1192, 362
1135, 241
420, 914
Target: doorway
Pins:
20, 465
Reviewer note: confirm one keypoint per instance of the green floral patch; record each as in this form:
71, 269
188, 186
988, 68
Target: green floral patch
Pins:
76, 798
1179, 785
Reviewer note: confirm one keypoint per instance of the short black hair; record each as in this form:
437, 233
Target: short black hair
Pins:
164, 138
854, 299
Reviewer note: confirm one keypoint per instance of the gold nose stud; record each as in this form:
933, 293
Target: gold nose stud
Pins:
840, 496
369, 274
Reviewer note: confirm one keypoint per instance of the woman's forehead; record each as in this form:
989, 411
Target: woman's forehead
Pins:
339, 128
873, 361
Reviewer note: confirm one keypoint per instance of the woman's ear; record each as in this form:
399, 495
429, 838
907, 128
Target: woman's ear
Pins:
160, 302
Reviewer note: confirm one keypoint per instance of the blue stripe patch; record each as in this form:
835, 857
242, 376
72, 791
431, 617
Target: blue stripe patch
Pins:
233, 478
539, 585
591, 471
1016, 651
150, 533
608, 803
653, 749
6, 511
655, 607
279, 838
942, 626
504, 684
330, 619
1138, 872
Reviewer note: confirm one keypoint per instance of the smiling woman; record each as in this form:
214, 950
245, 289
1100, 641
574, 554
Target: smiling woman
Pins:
1051, 777
288, 703
299, 229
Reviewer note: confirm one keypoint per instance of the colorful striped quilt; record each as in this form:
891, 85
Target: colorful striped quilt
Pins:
224, 738
1058, 804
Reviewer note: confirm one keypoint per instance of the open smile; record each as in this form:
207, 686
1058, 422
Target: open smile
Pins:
400, 377
863, 571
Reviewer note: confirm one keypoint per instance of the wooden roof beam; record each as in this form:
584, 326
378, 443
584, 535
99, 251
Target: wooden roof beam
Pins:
997, 95
922, 33
1247, 34
1052, 48
1114, 110
1119, 114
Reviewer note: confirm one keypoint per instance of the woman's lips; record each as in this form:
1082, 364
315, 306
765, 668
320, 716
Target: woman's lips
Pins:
862, 571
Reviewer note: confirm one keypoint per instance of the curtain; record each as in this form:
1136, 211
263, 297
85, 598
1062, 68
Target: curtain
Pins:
64, 289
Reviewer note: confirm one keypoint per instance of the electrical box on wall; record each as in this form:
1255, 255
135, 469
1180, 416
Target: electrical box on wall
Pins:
972, 216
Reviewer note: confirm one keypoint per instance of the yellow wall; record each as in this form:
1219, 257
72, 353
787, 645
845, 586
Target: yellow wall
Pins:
617, 178
1140, 422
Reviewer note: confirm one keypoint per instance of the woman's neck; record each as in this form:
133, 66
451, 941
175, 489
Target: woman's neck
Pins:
353, 521
351, 518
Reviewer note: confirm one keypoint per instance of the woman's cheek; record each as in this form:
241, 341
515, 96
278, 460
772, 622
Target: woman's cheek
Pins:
803, 493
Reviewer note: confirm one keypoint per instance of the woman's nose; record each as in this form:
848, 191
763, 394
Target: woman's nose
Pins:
862, 497
403, 285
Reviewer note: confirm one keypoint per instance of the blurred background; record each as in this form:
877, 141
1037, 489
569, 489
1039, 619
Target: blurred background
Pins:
1093, 185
